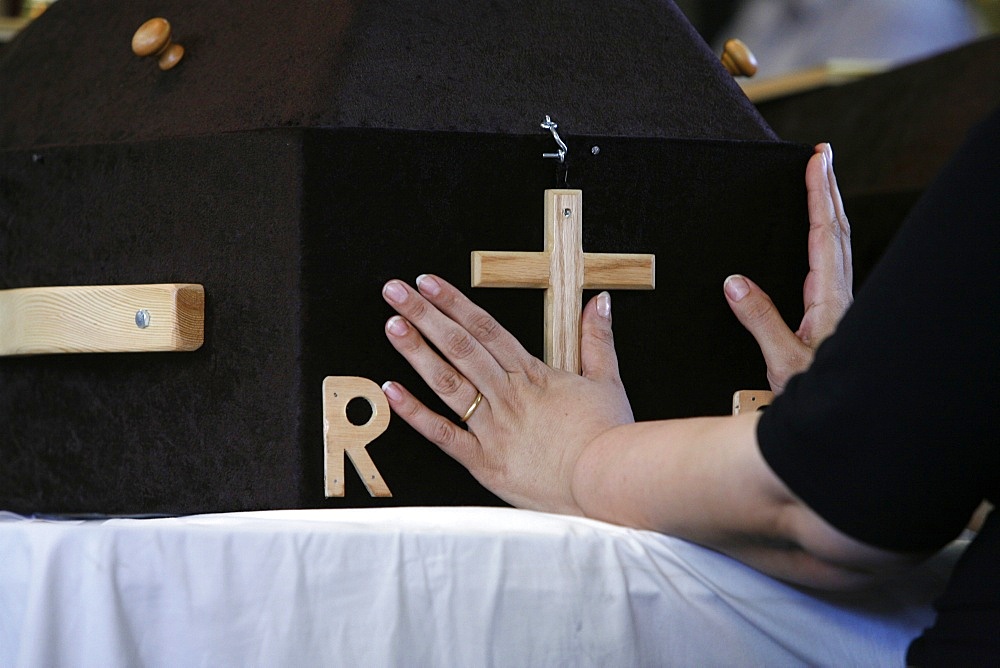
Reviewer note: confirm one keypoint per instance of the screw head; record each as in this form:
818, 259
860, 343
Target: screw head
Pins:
142, 318
595, 149
567, 213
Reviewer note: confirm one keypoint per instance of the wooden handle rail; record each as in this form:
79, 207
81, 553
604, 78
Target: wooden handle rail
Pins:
102, 319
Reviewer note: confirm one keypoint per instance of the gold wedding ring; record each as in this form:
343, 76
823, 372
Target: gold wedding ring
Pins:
473, 407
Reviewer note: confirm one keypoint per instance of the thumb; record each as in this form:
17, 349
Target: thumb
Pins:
598, 359
755, 310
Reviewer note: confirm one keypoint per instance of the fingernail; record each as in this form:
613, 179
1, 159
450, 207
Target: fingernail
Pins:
392, 390
428, 284
736, 287
828, 149
397, 326
395, 292
604, 305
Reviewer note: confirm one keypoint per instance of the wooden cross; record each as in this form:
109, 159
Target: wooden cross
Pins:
564, 271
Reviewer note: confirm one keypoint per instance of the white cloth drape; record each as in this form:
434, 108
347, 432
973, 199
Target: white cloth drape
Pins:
418, 587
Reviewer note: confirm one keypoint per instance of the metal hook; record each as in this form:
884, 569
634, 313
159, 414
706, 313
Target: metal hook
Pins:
549, 124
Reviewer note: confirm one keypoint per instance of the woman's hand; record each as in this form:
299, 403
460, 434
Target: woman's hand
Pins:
532, 422
827, 292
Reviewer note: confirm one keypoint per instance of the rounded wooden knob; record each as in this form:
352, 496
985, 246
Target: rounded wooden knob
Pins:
738, 59
153, 39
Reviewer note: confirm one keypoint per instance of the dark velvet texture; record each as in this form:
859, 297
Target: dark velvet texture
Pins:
608, 67
293, 233
148, 433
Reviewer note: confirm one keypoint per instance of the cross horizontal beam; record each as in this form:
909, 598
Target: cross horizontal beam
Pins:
563, 270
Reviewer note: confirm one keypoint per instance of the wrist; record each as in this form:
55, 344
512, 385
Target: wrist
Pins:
596, 475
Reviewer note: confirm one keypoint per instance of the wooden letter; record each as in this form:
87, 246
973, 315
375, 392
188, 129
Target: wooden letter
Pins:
342, 436
748, 401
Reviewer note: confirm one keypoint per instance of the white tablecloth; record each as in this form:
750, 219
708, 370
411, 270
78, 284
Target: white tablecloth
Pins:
418, 587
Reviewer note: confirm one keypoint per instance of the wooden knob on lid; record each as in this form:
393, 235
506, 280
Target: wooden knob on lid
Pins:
738, 59
153, 39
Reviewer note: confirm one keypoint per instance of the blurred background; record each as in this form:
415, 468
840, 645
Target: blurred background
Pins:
793, 35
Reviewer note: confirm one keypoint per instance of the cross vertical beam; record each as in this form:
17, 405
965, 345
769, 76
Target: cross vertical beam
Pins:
564, 294
563, 270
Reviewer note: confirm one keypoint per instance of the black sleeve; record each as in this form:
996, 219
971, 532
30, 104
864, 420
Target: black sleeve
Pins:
889, 435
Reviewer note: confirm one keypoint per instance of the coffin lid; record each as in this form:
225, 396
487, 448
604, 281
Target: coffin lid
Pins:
599, 67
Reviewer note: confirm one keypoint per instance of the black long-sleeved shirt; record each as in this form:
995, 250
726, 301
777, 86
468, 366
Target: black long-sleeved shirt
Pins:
893, 434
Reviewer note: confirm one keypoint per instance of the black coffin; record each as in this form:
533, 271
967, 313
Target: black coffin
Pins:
294, 178
292, 233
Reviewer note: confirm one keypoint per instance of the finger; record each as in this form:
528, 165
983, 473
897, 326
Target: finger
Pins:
461, 349
501, 344
783, 351
845, 226
456, 442
826, 280
454, 389
598, 358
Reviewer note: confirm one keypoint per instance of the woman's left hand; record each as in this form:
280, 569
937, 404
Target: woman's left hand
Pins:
526, 433
828, 290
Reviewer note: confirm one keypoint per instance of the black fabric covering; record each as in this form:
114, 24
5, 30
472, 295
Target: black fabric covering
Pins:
293, 233
296, 159
606, 67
